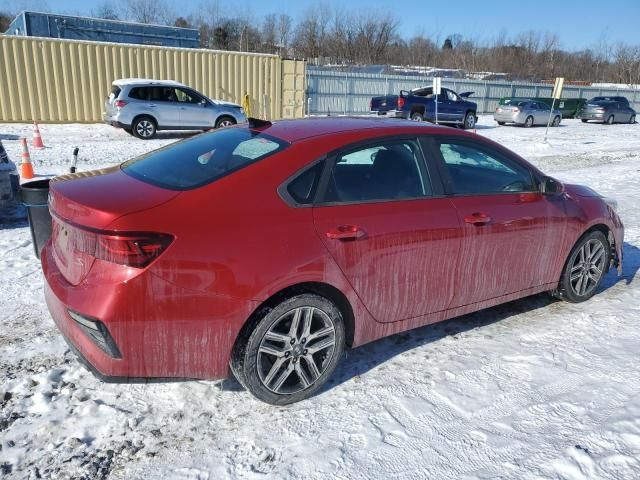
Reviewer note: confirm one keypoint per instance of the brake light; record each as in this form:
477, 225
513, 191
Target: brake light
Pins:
401, 102
131, 249
516, 109
600, 109
119, 103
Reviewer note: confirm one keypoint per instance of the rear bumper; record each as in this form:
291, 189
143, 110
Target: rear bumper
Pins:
507, 117
162, 331
592, 116
391, 114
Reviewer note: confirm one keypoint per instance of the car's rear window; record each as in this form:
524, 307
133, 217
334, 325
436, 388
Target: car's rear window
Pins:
202, 159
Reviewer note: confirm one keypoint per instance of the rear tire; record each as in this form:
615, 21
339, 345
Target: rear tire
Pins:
144, 127
556, 121
632, 120
528, 123
275, 360
610, 120
501, 123
417, 117
586, 267
469, 121
584, 120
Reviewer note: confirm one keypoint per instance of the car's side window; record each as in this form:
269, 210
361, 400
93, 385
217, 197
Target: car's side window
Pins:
302, 188
139, 93
161, 94
452, 96
477, 170
184, 96
388, 170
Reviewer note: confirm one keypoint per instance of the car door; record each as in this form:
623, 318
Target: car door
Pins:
163, 106
445, 109
392, 234
194, 109
512, 232
457, 106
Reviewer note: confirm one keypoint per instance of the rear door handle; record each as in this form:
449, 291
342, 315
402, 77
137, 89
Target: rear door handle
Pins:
346, 232
477, 218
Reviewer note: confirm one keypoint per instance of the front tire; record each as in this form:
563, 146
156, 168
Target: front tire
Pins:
292, 350
584, 120
144, 128
556, 121
225, 122
586, 267
501, 123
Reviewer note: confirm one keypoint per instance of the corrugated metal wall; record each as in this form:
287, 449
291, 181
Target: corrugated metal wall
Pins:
51, 80
349, 93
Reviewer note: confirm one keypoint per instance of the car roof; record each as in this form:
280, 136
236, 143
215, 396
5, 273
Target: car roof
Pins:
146, 81
300, 129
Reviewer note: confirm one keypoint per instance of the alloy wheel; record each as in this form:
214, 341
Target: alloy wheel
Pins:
588, 267
469, 121
144, 128
528, 122
296, 350
225, 123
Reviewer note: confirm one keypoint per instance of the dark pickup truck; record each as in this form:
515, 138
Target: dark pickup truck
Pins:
419, 104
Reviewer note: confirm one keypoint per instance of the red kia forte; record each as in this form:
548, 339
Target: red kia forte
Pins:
268, 249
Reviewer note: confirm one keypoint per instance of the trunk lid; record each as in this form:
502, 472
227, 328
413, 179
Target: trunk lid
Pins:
384, 103
84, 203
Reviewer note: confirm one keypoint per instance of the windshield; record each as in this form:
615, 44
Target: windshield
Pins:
202, 159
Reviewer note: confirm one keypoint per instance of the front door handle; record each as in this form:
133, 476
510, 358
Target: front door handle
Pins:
477, 218
346, 232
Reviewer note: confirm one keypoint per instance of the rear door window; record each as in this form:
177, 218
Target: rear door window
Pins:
202, 159
389, 170
162, 94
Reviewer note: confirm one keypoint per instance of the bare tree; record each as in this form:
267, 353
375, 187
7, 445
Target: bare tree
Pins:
283, 30
106, 10
150, 11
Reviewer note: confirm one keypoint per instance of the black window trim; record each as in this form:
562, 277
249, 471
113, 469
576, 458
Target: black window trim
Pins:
487, 148
283, 188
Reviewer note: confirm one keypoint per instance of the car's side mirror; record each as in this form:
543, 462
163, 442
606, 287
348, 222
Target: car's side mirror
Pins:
551, 186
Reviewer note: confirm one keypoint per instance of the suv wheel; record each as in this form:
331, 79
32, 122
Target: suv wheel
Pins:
144, 128
225, 122
292, 351
417, 117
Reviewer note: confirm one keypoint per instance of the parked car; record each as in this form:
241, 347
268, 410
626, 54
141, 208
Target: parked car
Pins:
608, 110
526, 113
269, 249
142, 107
568, 107
419, 104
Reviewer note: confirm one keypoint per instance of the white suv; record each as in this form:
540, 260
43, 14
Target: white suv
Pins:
143, 107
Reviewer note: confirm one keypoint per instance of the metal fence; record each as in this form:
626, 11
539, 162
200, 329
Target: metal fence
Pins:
348, 93
51, 80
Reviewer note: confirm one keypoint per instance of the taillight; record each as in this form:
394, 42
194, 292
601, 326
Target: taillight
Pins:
119, 103
600, 109
133, 251
516, 109
400, 102
130, 249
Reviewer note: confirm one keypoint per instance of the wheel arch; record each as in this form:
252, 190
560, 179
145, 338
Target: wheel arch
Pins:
222, 116
318, 288
146, 115
421, 109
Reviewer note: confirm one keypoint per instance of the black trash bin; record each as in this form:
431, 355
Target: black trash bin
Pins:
34, 195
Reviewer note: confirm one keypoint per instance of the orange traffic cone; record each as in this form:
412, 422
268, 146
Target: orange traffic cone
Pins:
37, 139
26, 168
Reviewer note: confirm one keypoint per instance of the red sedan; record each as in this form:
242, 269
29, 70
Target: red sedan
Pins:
270, 248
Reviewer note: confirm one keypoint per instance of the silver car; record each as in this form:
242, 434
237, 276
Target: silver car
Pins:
608, 110
527, 113
142, 107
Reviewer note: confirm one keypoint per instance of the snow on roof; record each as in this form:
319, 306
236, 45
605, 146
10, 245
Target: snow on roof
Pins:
131, 81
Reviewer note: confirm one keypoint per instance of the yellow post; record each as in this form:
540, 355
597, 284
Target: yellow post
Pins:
246, 104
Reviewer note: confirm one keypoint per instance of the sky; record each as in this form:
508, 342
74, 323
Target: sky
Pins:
578, 23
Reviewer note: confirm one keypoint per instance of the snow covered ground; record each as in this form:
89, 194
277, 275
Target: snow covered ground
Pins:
532, 389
